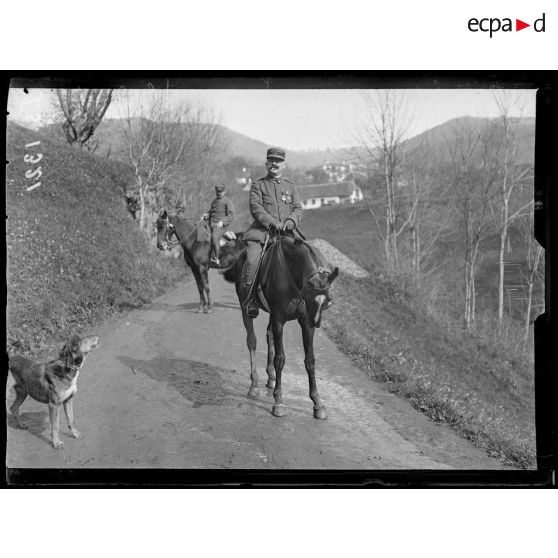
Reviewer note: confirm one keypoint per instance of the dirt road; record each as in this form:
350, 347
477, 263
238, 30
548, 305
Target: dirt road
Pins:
168, 389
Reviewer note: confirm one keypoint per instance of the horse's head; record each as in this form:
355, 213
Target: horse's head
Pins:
165, 230
312, 276
315, 292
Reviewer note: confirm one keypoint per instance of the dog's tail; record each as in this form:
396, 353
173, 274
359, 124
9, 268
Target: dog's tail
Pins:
17, 363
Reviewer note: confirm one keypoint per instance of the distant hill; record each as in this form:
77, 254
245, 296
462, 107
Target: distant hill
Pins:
253, 150
439, 136
237, 144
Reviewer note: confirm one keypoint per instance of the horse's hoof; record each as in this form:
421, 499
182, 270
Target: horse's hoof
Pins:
209, 311
270, 384
200, 310
254, 392
279, 410
320, 413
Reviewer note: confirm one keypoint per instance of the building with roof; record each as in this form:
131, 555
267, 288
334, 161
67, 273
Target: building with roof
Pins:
317, 195
337, 172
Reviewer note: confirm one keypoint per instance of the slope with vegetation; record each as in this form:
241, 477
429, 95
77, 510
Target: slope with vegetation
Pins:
460, 377
74, 253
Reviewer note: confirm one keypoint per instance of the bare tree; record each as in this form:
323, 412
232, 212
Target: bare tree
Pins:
170, 148
532, 262
83, 110
472, 175
386, 122
426, 206
206, 147
510, 176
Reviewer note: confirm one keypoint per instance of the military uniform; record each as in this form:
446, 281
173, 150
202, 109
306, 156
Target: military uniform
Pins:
272, 201
222, 209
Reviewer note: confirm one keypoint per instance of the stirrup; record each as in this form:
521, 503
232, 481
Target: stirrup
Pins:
252, 309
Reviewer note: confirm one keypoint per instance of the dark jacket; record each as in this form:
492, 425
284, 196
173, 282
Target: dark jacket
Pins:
221, 210
272, 200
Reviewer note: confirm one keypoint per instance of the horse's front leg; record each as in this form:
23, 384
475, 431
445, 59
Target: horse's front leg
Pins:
251, 342
279, 409
199, 284
310, 363
209, 302
270, 353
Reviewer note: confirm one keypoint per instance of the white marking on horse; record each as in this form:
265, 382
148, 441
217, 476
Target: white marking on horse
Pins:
320, 299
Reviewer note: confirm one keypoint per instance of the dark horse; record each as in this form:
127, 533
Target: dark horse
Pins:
294, 282
196, 253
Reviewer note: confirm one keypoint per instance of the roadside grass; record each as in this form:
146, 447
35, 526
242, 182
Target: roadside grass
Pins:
74, 254
474, 381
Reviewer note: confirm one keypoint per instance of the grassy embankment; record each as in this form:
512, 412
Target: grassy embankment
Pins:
461, 378
74, 253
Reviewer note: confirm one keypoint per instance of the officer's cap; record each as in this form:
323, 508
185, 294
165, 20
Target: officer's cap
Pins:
220, 188
276, 153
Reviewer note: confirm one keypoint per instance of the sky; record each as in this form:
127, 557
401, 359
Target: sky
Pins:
304, 119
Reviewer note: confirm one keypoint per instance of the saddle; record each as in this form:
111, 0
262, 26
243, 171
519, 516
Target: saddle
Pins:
203, 233
227, 238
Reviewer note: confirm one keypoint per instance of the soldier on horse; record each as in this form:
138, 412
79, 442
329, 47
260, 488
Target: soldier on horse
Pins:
220, 216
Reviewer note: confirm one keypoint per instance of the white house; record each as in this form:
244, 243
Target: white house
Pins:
317, 195
337, 172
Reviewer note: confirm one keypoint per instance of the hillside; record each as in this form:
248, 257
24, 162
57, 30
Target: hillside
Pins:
74, 253
439, 136
462, 378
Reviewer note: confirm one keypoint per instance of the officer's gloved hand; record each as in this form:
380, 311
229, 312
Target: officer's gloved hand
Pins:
276, 226
289, 225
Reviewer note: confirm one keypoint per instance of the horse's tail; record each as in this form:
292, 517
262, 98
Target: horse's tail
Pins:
230, 273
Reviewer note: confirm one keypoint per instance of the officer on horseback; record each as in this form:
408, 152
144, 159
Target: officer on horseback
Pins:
274, 202
220, 216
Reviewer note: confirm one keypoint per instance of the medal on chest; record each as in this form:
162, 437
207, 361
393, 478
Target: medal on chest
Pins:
286, 196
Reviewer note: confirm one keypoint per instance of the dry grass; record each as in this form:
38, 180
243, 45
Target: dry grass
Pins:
478, 382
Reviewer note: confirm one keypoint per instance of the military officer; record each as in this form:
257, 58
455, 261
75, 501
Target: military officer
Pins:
220, 216
274, 201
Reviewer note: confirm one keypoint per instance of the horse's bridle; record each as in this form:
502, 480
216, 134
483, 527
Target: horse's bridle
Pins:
307, 288
169, 231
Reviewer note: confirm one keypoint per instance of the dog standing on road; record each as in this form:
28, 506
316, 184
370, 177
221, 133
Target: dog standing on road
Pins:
53, 383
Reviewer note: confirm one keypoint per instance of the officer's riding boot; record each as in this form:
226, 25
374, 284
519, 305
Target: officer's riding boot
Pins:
214, 255
252, 308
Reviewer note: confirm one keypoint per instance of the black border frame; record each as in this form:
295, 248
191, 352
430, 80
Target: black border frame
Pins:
546, 329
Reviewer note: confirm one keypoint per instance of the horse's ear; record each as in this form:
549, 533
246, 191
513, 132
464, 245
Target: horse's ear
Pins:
333, 275
163, 214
